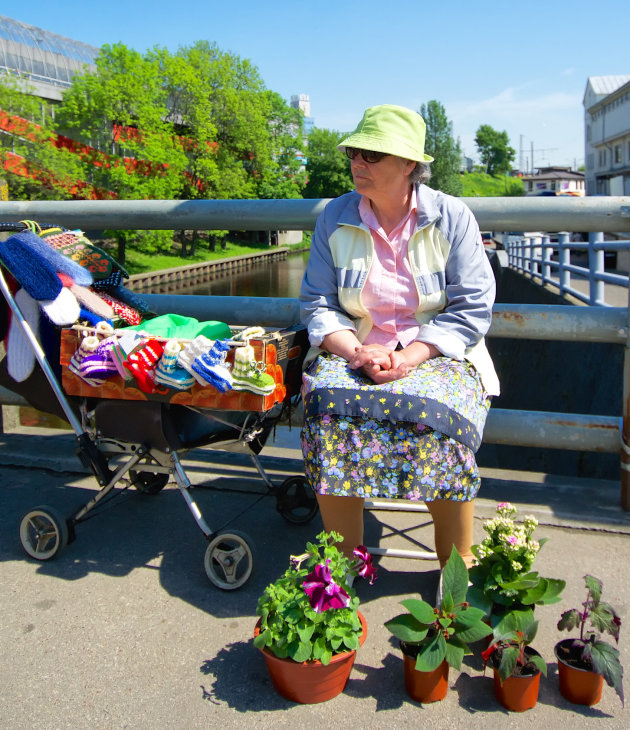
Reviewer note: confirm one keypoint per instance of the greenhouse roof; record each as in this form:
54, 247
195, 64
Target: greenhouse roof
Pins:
43, 56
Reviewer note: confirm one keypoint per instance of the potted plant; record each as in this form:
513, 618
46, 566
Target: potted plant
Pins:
517, 666
310, 626
432, 639
502, 577
585, 662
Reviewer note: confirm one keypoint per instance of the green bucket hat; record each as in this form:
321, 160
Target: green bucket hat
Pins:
395, 130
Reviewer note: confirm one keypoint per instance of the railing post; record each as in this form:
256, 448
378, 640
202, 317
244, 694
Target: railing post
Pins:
595, 270
564, 260
546, 260
625, 428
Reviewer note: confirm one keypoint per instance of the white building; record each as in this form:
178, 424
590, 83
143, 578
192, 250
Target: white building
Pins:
554, 181
607, 135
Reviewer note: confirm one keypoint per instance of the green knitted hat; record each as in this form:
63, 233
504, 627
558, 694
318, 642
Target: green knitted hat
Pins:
395, 130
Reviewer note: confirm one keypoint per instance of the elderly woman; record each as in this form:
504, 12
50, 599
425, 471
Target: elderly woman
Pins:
397, 297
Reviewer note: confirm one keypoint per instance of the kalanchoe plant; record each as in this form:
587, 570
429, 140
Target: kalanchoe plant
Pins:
442, 632
596, 618
515, 631
310, 612
502, 577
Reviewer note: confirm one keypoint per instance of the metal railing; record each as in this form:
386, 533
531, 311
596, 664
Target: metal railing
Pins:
533, 254
523, 321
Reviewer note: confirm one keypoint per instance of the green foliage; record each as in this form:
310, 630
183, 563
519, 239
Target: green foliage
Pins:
480, 184
443, 148
502, 578
290, 627
327, 169
597, 618
442, 632
515, 631
494, 149
53, 171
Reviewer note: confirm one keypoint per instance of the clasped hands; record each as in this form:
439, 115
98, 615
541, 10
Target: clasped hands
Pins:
381, 364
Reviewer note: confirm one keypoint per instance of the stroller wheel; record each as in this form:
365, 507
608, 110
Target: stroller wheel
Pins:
228, 561
43, 533
147, 482
296, 501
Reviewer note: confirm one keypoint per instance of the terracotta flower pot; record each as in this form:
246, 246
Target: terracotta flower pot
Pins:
577, 684
424, 686
311, 682
518, 692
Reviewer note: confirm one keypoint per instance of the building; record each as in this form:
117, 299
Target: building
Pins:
607, 135
303, 103
45, 61
554, 181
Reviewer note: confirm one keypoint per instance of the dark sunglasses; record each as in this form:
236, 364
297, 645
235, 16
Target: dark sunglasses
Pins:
367, 155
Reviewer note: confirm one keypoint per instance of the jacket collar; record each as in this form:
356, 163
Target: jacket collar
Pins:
427, 212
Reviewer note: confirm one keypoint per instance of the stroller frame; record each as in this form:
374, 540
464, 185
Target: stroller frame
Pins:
149, 465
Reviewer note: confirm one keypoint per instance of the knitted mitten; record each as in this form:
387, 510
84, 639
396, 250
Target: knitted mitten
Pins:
20, 353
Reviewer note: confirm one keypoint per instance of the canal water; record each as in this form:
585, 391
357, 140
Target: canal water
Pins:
279, 279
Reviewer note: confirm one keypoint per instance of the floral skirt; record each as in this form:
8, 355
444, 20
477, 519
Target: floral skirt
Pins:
414, 438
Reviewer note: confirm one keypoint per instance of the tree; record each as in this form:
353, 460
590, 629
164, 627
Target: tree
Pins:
327, 170
445, 175
36, 165
494, 150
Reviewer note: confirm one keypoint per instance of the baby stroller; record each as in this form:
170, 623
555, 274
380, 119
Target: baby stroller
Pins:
127, 438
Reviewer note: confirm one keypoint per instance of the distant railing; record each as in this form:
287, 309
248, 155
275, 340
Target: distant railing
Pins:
536, 322
534, 253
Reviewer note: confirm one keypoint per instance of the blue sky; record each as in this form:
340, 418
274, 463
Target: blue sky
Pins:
519, 67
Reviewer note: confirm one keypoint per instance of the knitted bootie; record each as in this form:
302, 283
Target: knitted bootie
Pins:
247, 374
167, 371
194, 349
86, 348
99, 365
249, 333
127, 343
211, 366
141, 364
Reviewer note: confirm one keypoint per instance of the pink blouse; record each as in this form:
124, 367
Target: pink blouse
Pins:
390, 294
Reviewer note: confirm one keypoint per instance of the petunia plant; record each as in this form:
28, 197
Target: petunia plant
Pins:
311, 611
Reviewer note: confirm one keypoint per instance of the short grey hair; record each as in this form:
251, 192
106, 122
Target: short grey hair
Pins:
420, 173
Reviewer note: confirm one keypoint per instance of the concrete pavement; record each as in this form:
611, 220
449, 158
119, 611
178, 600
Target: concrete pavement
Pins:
124, 630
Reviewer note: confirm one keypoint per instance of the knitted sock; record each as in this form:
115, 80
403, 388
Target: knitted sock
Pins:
141, 365
64, 309
20, 353
34, 273
61, 264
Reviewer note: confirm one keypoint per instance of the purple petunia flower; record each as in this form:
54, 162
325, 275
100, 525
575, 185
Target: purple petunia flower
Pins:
322, 591
364, 565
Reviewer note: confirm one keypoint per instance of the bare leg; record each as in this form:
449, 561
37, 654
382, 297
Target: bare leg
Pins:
453, 525
345, 516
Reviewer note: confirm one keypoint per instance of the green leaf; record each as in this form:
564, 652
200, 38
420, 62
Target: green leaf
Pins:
407, 628
305, 631
260, 641
454, 654
478, 599
420, 610
447, 603
432, 655
455, 577
539, 663
569, 620
509, 657
594, 586
474, 632
606, 662
303, 652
